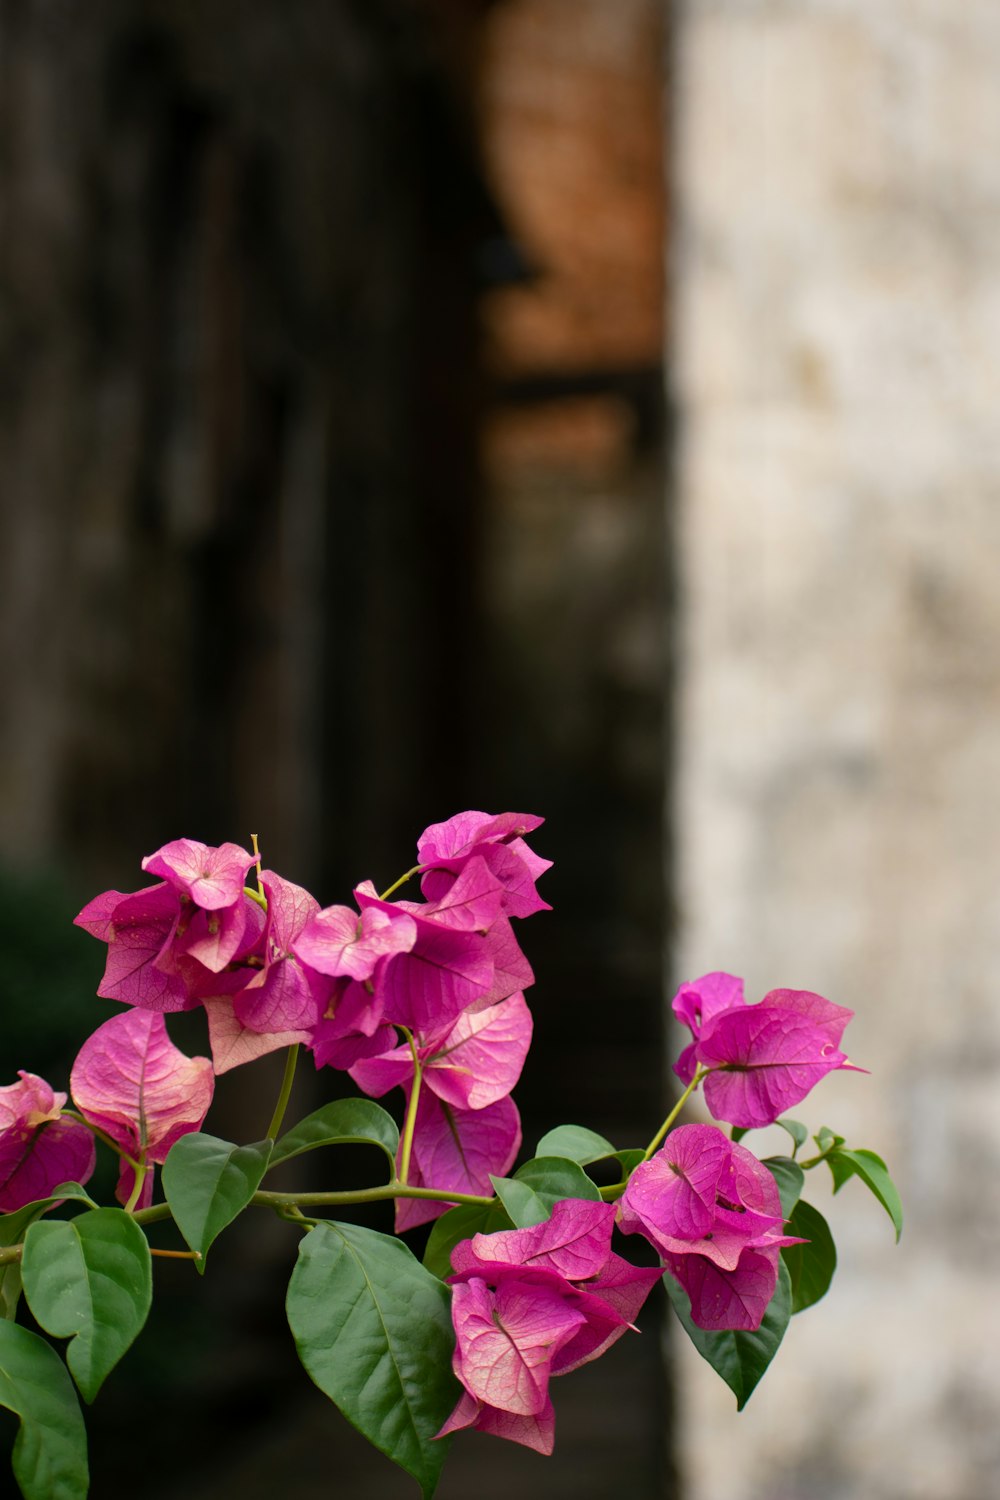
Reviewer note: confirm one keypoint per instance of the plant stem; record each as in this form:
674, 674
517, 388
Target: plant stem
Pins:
140, 1178
73, 1114
291, 1058
401, 881
175, 1254
369, 1195
406, 1142
10, 1253
661, 1133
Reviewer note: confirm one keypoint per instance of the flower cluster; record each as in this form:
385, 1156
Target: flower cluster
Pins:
712, 1211
532, 1303
760, 1059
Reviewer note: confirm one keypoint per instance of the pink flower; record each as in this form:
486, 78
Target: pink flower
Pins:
457, 1149
476, 1062
712, 1211
133, 1083
763, 1058
532, 1303
444, 849
39, 1149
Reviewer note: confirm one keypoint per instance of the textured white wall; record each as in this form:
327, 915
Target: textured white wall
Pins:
837, 286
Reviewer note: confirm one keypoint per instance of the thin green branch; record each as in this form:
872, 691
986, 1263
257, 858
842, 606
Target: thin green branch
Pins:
291, 1058
401, 881
661, 1133
409, 1124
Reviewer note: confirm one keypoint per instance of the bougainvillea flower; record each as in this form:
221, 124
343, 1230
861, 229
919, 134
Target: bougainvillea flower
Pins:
532, 1303
475, 1063
39, 1149
511, 970
218, 938
138, 929
285, 995
133, 1083
445, 848
767, 1057
505, 1341
707, 1200
340, 942
470, 901
351, 1027
445, 971
457, 1149
695, 1004
210, 877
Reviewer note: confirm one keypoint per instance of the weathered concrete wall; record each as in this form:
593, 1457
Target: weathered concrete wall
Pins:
838, 380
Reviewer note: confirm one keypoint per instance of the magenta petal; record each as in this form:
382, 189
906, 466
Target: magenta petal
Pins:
511, 970
39, 1150
721, 1299
135, 1085
233, 1043
445, 972
480, 1059
698, 1002
574, 1241
390, 1070
96, 917
457, 1149
211, 877
460, 834
770, 1055
140, 968
537, 1431
472, 901
214, 938
676, 1189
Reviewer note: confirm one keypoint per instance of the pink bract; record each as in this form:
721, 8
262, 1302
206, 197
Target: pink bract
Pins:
39, 1150
210, 877
457, 1149
133, 1083
340, 942
712, 1211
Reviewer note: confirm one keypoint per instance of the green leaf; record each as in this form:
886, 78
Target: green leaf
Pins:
629, 1161
575, 1142
50, 1450
874, 1174
373, 1330
739, 1357
826, 1139
789, 1178
13, 1228
89, 1280
530, 1195
207, 1182
344, 1120
798, 1132
460, 1223
810, 1266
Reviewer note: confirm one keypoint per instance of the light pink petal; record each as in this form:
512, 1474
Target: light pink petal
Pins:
135, 1085
289, 908
214, 938
575, 1241
480, 1059
282, 997
505, 1342
699, 1001
211, 877
457, 1149
537, 1431
233, 1043
338, 941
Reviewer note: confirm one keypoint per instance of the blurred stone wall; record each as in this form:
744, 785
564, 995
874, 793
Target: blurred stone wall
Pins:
837, 374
